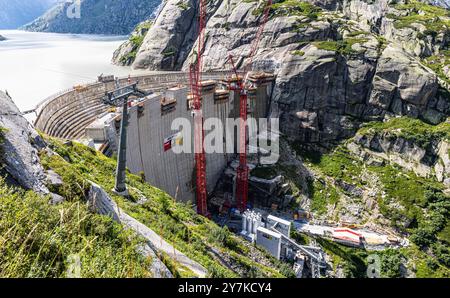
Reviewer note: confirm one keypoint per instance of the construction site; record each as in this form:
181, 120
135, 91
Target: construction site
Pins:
135, 119
132, 118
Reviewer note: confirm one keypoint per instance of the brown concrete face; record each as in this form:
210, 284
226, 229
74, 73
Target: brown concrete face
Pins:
149, 127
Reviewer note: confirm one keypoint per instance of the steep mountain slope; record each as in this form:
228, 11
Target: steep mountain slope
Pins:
15, 13
126, 54
19, 158
96, 17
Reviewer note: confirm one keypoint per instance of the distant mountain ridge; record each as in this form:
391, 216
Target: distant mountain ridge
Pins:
15, 13
97, 17
442, 3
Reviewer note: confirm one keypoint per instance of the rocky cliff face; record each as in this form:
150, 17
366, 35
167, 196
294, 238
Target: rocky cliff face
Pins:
19, 158
96, 17
70, 174
418, 28
167, 45
20, 145
338, 63
15, 13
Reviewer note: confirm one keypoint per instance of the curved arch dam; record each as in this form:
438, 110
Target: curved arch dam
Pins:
153, 130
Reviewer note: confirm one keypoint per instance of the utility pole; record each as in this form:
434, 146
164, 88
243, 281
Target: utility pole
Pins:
118, 97
120, 187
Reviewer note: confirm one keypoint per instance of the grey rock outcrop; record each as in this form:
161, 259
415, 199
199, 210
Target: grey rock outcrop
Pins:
375, 16
380, 16
442, 3
399, 78
431, 160
323, 96
20, 158
126, 53
170, 40
100, 202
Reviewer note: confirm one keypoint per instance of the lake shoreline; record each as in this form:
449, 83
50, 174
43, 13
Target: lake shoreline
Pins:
106, 36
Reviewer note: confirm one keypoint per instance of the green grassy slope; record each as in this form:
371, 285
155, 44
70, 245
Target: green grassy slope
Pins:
177, 223
40, 240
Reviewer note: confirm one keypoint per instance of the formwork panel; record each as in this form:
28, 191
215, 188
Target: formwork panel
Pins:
164, 169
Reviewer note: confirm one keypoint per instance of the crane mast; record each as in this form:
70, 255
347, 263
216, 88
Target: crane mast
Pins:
242, 172
195, 75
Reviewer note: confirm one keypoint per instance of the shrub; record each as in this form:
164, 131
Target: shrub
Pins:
409, 129
391, 262
442, 253
434, 18
216, 272
353, 260
292, 7
343, 47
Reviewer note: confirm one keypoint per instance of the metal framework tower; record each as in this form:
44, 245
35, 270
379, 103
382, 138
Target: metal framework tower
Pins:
118, 97
242, 85
242, 170
199, 136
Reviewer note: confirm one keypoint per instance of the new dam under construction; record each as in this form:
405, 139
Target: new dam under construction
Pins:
81, 114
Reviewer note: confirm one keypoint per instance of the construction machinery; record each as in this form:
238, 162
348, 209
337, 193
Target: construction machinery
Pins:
195, 76
105, 78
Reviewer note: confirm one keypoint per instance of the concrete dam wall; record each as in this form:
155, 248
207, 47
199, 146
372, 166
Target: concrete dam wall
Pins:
67, 114
151, 141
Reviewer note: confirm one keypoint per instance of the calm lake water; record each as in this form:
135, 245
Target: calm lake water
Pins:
34, 66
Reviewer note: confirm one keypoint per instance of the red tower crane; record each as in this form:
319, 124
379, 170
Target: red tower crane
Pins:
242, 85
195, 75
196, 91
